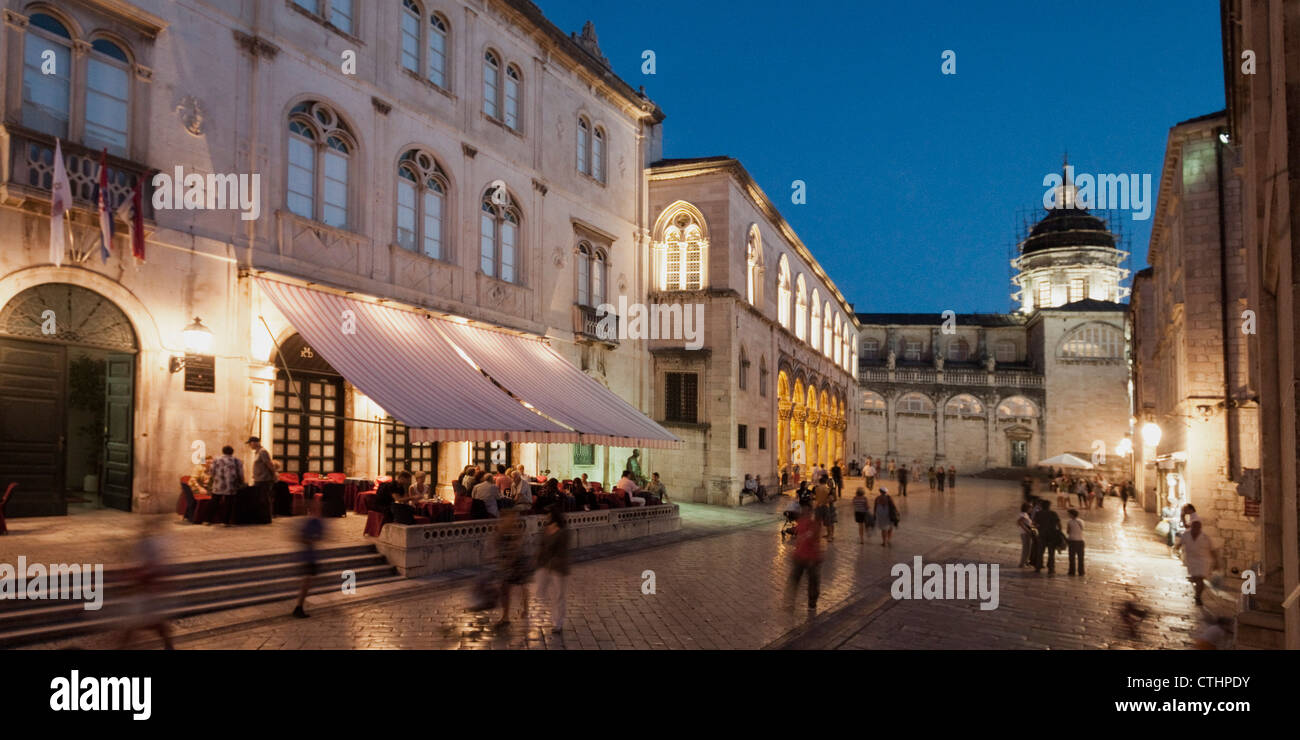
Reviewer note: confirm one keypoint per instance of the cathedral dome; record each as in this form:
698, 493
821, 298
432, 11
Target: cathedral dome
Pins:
1068, 227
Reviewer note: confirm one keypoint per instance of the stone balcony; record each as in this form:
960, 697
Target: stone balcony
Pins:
586, 326
28, 172
931, 376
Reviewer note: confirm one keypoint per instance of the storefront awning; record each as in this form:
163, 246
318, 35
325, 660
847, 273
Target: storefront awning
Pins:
452, 381
530, 369
403, 364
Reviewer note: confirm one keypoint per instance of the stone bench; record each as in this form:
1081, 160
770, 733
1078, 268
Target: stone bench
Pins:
423, 549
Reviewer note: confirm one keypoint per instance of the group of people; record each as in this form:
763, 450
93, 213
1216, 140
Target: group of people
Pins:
515, 567
794, 477
1089, 491
223, 477
1042, 536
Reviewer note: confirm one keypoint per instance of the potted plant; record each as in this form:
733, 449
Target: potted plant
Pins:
86, 392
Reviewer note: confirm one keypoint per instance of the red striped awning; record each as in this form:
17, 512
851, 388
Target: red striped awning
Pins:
451, 381
531, 370
400, 361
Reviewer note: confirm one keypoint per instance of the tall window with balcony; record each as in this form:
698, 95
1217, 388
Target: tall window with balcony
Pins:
499, 235
421, 203
592, 273
682, 255
424, 44
320, 151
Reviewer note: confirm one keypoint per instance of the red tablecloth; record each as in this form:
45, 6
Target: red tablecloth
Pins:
437, 511
363, 501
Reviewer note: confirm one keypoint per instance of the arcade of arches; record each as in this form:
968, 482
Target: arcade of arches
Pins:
810, 423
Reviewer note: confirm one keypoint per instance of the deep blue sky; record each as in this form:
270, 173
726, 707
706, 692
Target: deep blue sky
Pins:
915, 179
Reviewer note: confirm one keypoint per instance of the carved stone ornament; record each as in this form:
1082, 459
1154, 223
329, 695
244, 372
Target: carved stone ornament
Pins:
190, 111
497, 294
557, 257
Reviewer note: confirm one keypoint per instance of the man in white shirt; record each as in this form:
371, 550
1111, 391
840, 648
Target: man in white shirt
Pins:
630, 487
870, 475
1198, 555
1074, 540
521, 490
488, 493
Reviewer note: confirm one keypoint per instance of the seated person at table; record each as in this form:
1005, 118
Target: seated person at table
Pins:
656, 487
502, 479
629, 486
469, 477
392, 498
549, 495
583, 498
521, 491
201, 478
420, 490
487, 492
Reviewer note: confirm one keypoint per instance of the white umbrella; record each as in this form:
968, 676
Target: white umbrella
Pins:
1065, 460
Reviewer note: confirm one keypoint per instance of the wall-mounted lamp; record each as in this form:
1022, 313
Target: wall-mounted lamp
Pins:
1151, 434
1225, 137
198, 341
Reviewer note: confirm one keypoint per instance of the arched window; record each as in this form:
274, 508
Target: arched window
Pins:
853, 366
598, 154
513, 95
838, 347
47, 99
753, 248
915, 403
491, 85
1017, 407
338, 13
108, 97
827, 336
421, 203
584, 145
1093, 342
964, 405
433, 43
814, 328
742, 379
801, 308
592, 268
499, 235
873, 403
762, 375
958, 350
782, 291
682, 254
320, 151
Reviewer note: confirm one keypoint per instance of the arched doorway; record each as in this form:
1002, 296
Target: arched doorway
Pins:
307, 412
67, 397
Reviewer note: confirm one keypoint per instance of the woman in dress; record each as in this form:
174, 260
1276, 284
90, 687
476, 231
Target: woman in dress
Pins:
886, 516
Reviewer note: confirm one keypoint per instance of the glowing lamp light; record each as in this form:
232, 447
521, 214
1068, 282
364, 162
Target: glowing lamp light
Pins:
1151, 433
1124, 448
198, 338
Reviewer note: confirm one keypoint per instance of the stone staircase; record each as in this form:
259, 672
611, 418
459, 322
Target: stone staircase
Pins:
194, 587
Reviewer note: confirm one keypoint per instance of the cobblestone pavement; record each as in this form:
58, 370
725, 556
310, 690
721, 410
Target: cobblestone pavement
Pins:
727, 590
720, 583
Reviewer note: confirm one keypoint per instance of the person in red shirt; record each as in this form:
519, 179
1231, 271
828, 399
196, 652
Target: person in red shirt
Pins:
807, 556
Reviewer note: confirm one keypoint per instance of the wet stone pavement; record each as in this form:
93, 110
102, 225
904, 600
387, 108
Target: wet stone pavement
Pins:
721, 584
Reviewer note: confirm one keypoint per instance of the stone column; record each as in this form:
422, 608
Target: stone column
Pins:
784, 412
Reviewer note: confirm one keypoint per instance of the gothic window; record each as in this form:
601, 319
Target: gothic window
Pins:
1093, 342
782, 292
827, 337
584, 145
499, 220
801, 308
753, 250
742, 379
814, 326
491, 85
320, 152
421, 203
682, 260
514, 83
598, 154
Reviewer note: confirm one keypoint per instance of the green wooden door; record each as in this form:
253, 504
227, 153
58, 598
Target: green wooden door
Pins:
32, 403
119, 378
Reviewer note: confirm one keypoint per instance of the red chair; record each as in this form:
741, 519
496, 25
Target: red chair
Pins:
336, 477
464, 509
9, 492
290, 478
205, 509
594, 487
310, 476
375, 521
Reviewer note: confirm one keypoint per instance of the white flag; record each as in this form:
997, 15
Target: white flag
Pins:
60, 201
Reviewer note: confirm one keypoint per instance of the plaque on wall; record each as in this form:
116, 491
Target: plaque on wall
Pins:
200, 373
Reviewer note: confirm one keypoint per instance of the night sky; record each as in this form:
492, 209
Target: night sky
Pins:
916, 180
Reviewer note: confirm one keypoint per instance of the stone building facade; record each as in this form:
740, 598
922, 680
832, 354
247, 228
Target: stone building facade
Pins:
462, 158
1263, 132
769, 387
977, 391
1192, 360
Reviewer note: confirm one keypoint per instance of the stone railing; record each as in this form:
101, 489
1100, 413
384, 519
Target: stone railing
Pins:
31, 172
586, 325
950, 377
422, 549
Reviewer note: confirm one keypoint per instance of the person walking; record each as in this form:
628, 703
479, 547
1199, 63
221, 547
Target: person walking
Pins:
311, 532
1198, 555
513, 565
893, 469
886, 514
952, 477
1048, 524
1074, 540
825, 508
1125, 492
1026, 526
870, 476
862, 514
903, 474
553, 565
930, 473
837, 475
939, 475
807, 558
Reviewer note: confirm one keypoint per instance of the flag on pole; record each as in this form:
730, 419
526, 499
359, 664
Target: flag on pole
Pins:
60, 202
132, 211
105, 217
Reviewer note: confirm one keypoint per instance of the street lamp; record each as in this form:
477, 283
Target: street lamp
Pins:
198, 341
1151, 434
1124, 448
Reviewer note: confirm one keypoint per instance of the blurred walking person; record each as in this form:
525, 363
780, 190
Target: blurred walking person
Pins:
886, 514
807, 557
1198, 555
862, 514
870, 475
512, 562
553, 566
1074, 540
145, 590
903, 475
311, 532
1026, 525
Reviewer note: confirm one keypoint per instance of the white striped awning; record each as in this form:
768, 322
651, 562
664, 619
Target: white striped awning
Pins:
449, 381
531, 370
402, 363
